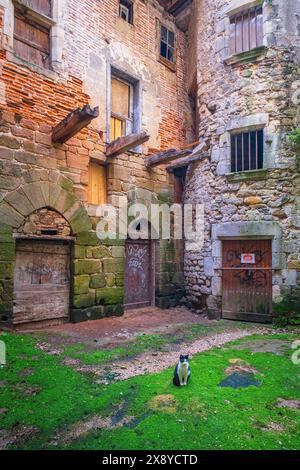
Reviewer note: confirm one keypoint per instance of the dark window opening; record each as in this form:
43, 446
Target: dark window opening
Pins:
167, 44
246, 30
32, 28
126, 11
247, 151
49, 231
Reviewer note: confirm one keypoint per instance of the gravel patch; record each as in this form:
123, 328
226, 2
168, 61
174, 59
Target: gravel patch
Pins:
149, 363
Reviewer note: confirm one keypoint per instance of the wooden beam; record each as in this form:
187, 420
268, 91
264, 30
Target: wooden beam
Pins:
73, 124
127, 142
197, 154
167, 156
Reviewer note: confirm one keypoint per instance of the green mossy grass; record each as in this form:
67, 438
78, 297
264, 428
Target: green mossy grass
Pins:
206, 417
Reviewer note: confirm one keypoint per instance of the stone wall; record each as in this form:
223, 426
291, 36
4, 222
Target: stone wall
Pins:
34, 174
238, 95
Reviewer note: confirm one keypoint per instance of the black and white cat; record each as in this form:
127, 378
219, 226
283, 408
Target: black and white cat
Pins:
182, 372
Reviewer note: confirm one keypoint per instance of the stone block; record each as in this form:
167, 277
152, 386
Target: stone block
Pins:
86, 266
118, 251
7, 251
84, 300
208, 266
81, 284
110, 296
6, 270
113, 310
100, 252
9, 142
119, 280
294, 264
10, 216
111, 280
87, 238
79, 252
80, 221
19, 201
97, 281
90, 313
113, 265
252, 201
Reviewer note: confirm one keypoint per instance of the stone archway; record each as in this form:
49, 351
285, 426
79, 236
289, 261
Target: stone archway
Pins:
55, 194
18, 204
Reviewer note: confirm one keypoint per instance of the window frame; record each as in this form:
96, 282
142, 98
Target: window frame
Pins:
237, 160
233, 17
164, 60
136, 101
130, 7
126, 121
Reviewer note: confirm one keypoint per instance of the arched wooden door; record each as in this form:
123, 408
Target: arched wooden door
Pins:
139, 274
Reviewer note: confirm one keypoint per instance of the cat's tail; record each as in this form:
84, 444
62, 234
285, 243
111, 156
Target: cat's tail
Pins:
176, 381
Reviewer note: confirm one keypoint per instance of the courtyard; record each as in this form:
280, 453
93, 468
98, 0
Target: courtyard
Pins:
107, 384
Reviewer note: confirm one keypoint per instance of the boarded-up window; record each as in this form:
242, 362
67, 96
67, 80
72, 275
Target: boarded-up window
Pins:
247, 151
120, 103
246, 30
32, 32
97, 184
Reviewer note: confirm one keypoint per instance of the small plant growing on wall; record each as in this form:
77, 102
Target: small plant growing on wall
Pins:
287, 312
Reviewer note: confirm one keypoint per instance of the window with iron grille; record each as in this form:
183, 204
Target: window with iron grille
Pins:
32, 28
246, 30
126, 11
247, 151
167, 44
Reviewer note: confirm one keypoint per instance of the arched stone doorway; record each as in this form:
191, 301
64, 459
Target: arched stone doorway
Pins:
42, 270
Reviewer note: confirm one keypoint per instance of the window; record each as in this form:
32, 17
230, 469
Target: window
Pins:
32, 31
121, 109
246, 30
126, 10
247, 151
97, 184
167, 44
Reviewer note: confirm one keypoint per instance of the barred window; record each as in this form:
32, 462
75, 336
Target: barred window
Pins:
247, 151
246, 30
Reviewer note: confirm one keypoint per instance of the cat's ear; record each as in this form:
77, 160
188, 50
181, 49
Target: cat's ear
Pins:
181, 356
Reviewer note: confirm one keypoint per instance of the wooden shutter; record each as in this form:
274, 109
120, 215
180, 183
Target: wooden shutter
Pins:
97, 184
120, 98
32, 42
41, 6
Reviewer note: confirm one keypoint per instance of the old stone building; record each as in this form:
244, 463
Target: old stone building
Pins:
248, 80
57, 56
157, 75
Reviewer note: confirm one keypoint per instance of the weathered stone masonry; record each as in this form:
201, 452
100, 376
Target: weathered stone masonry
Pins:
241, 94
41, 183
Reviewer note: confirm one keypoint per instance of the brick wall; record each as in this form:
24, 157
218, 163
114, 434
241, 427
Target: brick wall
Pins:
34, 174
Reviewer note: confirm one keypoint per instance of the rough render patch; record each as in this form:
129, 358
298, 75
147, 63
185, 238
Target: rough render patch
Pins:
274, 346
16, 435
240, 367
2, 93
294, 404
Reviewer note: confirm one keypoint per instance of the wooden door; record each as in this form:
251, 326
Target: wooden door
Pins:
42, 281
247, 280
138, 274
